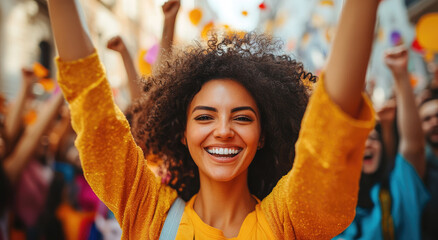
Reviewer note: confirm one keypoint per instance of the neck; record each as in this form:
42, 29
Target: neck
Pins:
224, 205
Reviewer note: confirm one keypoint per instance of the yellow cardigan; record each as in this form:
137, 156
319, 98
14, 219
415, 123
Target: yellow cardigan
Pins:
315, 200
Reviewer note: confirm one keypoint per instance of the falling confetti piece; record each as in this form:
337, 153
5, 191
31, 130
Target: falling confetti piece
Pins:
306, 38
195, 16
281, 19
152, 54
48, 84
39, 70
380, 35
207, 28
144, 67
30, 117
327, 3
396, 38
413, 80
245, 13
416, 46
262, 6
427, 33
269, 27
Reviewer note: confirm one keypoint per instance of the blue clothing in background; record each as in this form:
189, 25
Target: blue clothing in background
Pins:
408, 196
430, 212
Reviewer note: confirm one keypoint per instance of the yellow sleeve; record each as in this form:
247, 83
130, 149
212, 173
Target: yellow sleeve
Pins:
317, 198
113, 164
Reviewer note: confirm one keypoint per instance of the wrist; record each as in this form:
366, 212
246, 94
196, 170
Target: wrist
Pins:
401, 76
170, 19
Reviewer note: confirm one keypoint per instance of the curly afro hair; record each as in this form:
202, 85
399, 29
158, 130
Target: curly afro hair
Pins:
278, 83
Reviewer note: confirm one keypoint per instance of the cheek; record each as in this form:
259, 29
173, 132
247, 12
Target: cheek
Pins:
196, 134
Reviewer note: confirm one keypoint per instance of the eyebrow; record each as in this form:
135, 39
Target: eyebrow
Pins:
236, 109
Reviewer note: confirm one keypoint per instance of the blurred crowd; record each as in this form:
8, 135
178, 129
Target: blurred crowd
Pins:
44, 194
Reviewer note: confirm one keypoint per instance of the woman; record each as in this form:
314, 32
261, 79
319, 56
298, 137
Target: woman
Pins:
227, 131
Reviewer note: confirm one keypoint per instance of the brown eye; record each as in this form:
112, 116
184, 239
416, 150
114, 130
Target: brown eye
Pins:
243, 119
203, 118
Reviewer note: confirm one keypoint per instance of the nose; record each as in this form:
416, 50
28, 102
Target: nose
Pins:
223, 130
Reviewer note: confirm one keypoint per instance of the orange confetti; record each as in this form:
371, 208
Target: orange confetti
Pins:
281, 19
144, 67
39, 70
207, 28
30, 117
327, 3
245, 13
269, 27
414, 81
306, 38
380, 35
427, 33
195, 16
48, 84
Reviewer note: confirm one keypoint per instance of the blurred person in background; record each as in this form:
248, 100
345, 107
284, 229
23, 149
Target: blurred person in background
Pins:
428, 110
393, 195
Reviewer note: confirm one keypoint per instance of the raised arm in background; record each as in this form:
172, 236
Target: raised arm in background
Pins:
27, 144
411, 144
14, 121
117, 44
170, 10
347, 64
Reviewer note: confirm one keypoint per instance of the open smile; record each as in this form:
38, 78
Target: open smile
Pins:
223, 154
368, 156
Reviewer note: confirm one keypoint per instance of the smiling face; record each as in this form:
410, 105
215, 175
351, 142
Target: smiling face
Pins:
429, 118
372, 154
223, 130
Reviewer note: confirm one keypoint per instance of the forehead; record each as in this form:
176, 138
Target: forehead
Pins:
223, 93
429, 108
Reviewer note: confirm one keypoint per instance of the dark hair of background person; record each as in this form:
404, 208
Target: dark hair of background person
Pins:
381, 175
278, 83
428, 94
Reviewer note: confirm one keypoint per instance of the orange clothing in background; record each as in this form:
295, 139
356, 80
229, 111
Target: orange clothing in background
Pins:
74, 223
315, 200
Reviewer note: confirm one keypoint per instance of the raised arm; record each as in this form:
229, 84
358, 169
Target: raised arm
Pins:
170, 10
347, 64
411, 144
113, 164
117, 44
27, 144
71, 38
14, 122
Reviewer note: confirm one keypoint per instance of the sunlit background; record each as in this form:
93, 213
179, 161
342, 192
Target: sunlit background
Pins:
305, 26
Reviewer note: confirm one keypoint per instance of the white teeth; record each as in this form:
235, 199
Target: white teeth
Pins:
223, 151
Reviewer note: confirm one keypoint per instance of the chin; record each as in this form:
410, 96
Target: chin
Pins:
221, 174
